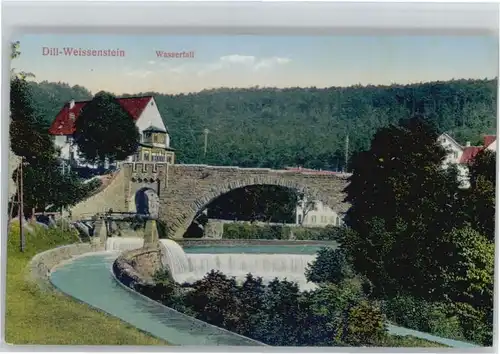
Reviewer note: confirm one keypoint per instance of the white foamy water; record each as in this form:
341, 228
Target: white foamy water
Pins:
193, 266
175, 259
267, 266
124, 243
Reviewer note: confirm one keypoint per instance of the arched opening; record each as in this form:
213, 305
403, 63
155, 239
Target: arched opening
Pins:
261, 204
147, 202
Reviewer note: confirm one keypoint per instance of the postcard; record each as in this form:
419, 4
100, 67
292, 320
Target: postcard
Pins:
244, 190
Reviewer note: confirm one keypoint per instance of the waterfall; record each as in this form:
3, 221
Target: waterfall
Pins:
268, 266
175, 259
124, 243
194, 266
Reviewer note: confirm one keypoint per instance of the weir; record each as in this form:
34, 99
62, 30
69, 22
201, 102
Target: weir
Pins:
194, 266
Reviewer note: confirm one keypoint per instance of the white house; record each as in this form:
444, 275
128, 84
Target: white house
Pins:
462, 156
316, 214
154, 135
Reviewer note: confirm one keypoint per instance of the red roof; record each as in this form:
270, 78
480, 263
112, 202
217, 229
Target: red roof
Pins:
64, 124
469, 153
489, 139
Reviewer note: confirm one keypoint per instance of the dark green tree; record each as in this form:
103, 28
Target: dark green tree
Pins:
482, 192
214, 299
330, 266
27, 137
403, 203
104, 131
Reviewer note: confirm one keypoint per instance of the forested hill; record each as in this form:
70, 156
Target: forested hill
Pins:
264, 127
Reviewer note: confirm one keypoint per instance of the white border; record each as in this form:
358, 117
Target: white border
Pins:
203, 17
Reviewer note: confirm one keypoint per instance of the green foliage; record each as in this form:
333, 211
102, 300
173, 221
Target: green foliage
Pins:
105, 131
365, 324
27, 137
266, 127
214, 299
481, 206
256, 203
248, 231
469, 268
410, 231
44, 185
330, 266
403, 203
436, 318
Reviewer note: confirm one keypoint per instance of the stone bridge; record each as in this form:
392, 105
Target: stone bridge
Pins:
185, 190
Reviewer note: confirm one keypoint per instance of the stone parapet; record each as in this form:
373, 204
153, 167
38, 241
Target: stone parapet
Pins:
41, 265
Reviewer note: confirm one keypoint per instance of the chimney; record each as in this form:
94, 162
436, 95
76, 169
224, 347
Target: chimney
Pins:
467, 144
71, 104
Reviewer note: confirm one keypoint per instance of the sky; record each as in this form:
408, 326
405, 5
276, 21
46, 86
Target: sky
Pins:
246, 61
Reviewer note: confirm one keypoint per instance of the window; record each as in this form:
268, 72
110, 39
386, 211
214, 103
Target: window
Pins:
313, 219
72, 116
146, 156
332, 220
155, 138
455, 154
323, 219
169, 159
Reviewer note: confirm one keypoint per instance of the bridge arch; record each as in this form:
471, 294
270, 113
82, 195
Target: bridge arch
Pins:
143, 195
220, 189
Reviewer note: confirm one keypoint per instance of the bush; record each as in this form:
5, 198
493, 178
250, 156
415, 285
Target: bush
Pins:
330, 266
246, 231
434, 318
365, 324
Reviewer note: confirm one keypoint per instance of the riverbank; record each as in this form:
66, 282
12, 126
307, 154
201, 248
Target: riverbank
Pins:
35, 316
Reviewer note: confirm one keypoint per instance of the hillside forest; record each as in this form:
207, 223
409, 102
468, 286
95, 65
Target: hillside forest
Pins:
268, 127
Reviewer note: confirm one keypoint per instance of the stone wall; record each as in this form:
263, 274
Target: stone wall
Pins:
137, 266
42, 264
111, 197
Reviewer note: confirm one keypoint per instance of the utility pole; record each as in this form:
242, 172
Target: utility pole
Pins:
205, 132
20, 204
346, 151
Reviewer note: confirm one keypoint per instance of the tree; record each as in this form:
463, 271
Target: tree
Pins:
104, 131
330, 266
26, 134
44, 184
214, 300
403, 203
481, 206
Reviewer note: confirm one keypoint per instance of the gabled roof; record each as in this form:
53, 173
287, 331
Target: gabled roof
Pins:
453, 141
488, 140
469, 153
64, 124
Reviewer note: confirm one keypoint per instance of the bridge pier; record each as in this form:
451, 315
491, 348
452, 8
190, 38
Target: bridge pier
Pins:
151, 237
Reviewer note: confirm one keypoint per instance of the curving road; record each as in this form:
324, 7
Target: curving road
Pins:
89, 278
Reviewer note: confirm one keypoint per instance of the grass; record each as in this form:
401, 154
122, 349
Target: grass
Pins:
410, 342
38, 317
